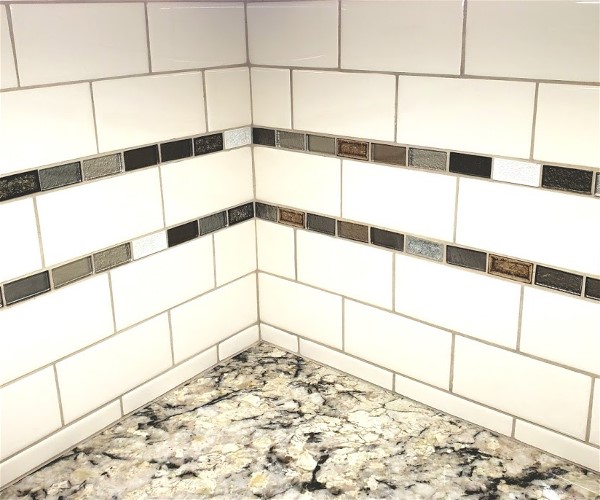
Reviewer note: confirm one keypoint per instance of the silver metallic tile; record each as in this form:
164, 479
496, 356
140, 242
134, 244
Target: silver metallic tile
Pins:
237, 137
149, 245
102, 166
516, 172
112, 257
72, 271
289, 140
427, 158
424, 248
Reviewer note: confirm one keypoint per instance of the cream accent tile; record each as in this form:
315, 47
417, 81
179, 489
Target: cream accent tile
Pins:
135, 111
228, 98
516, 172
540, 392
8, 73
303, 181
271, 98
479, 116
239, 342
276, 253
148, 245
235, 251
595, 427
485, 220
135, 209
278, 337
294, 33
110, 41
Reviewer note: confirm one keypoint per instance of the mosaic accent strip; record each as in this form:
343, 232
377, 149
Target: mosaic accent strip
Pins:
478, 166
208, 144
63, 175
387, 239
463, 257
212, 223
266, 212
567, 179
94, 168
592, 288
321, 144
17, 185
141, 157
240, 214
291, 217
510, 268
289, 140
25, 288
113, 257
321, 224
353, 149
73, 271
176, 150
559, 280
182, 233
352, 231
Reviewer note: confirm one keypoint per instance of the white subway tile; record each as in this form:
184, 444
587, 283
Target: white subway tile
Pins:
354, 104
516, 172
68, 42
158, 386
404, 36
109, 369
148, 245
555, 397
206, 184
28, 411
107, 212
347, 364
405, 200
595, 422
19, 254
301, 310
450, 297
45, 125
539, 40
239, 342
357, 271
8, 72
486, 221
276, 253
205, 321
480, 116
294, 33
228, 98
307, 182
54, 325
189, 35
144, 109
271, 97
449, 403
235, 251
567, 127
278, 337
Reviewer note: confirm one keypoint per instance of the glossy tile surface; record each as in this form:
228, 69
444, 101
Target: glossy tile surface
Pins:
560, 280
208, 144
387, 239
101, 166
424, 248
237, 137
26, 287
383, 153
140, 157
72, 271
228, 98
265, 211
112, 257
351, 231
213, 222
464, 257
510, 268
321, 144
182, 233
321, 224
176, 150
353, 149
478, 166
15, 186
63, 175
263, 136
8, 73
567, 179
271, 97
427, 158
289, 140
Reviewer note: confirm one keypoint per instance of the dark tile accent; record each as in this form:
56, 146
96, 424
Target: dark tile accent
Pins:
1, 304
464, 257
113, 257
289, 140
592, 288
321, 144
176, 150
510, 268
24, 288
72, 271
263, 136
384, 153
559, 280
353, 149
182, 233
240, 213
320, 224
567, 179
208, 144
598, 184
17, 185
102, 166
141, 157
291, 217
211, 223
63, 175
387, 239
352, 231
266, 212
427, 158
424, 248
479, 166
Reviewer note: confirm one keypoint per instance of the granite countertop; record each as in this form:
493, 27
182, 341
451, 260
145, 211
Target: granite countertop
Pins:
269, 424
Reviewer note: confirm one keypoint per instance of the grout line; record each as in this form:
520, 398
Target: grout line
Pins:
514, 425
162, 195
121, 406
95, 122
214, 259
148, 37
112, 304
292, 125
60, 402
343, 325
456, 200
520, 317
533, 125
394, 281
39, 235
205, 99
588, 429
172, 344
452, 356
396, 92
464, 38
339, 34
247, 38
13, 43
295, 253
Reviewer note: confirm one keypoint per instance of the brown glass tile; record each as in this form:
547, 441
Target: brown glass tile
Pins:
353, 149
291, 217
559, 280
464, 257
510, 268
384, 153
352, 231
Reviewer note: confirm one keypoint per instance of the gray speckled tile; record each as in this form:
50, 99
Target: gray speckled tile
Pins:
102, 166
212, 222
427, 158
424, 248
62, 175
289, 140
112, 257
597, 183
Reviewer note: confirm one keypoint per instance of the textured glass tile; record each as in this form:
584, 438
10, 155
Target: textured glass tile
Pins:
352, 231
102, 166
237, 137
592, 288
176, 150
427, 158
263, 136
464, 257
62, 175
212, 222
240, 213
291, 217
598, 184
320, 224
289, 140
14, 186
141, 157
387, 239
182, 233
321, 144
478, 166
266, 212
424, 248
510, 268
353, 149
208, 144
567, 179
516, 172
149, 245
72, 271
384, 153
113, 257
26, 287
559, 280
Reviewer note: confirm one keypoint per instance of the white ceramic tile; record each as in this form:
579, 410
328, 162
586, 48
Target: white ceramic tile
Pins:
20, 253
8, 73
405, 200
161, 281
449, 403
479, 116
110, 41
135, 209
206, 184
516, 172
300, 309
148, 245
562, 329
539, 40
57, 120
205, 321
21, 420
595, 422
228, 98
235, 251
58, 442
54, 325
276, 252
557, 444
294, 33
239, 342
237, 137
158, 386
271, 98
278, 337
538, 391
307, 182
347, 364
188, 35
486, 221
145, 109
404, 36
448, 296
567, 127
354, 104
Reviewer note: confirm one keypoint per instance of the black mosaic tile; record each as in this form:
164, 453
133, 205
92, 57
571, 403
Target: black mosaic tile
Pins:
464, 257
351, 231
62, 175
479, 166
212, 223
208, 144
559, 280
72, 271
176, 150
141, 157
181, 234
263, 136
265, 212
17, 185
25, 288
387, 239
320, 224
592, 288
112, 257
321, 144
289, 140
241, 213
384, 153
359, 150
291, 217
567, 179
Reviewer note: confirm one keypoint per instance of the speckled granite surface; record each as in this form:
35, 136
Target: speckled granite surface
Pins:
268, 424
